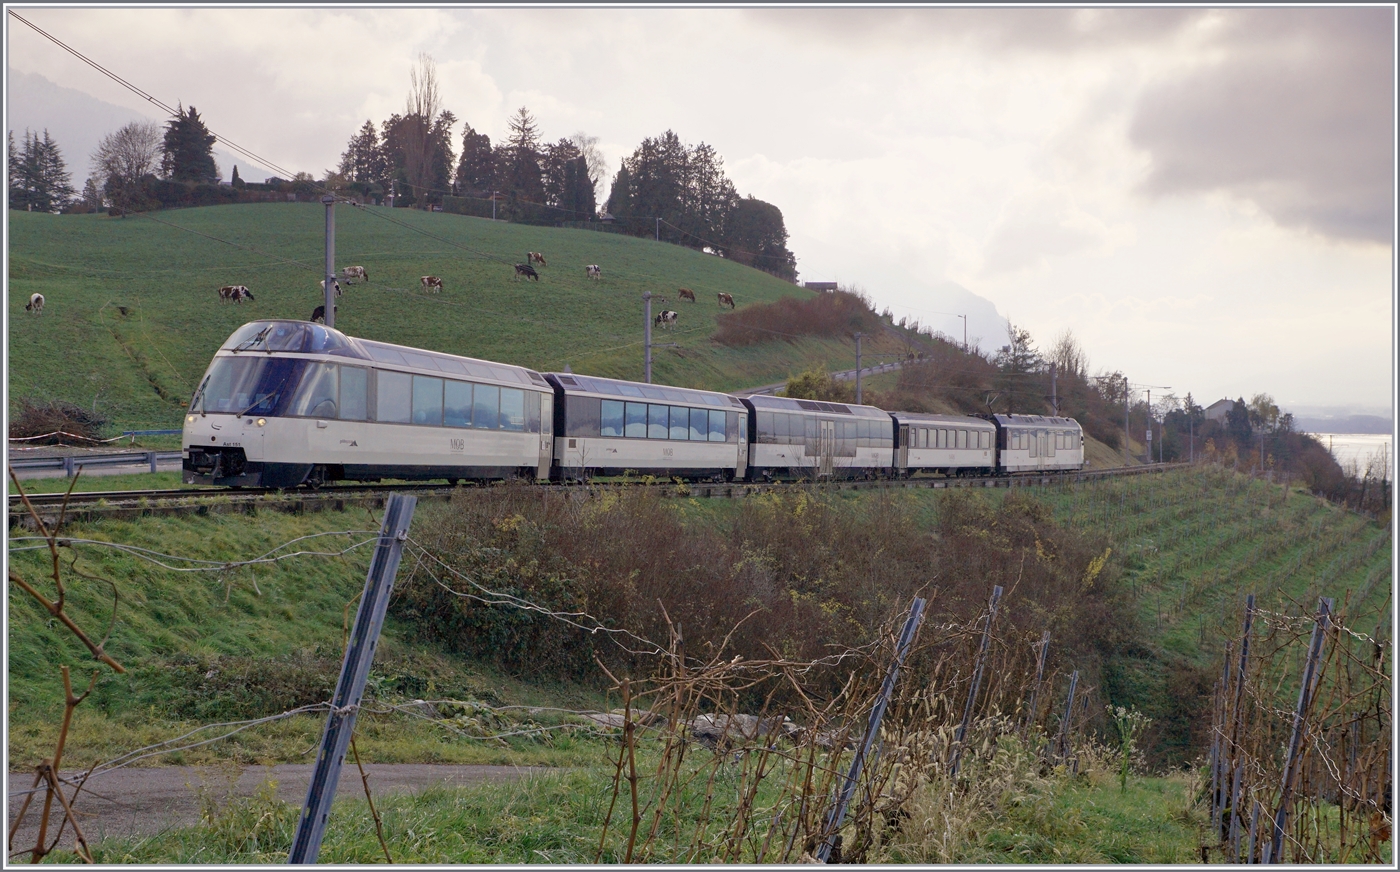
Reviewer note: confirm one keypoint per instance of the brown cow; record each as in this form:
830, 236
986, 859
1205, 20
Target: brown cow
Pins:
431, 283
687, 294
535, 257
725, 299
236, 293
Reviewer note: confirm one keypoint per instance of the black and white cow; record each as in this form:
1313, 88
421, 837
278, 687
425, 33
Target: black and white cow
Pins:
594, 271
35, 304
667, 318
234, 293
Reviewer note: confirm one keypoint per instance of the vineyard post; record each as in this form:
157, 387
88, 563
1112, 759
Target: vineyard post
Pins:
1236, 719
1063, 744
1039, 673
359, 655
877, 714
1273, 850
1253, 832
976, 681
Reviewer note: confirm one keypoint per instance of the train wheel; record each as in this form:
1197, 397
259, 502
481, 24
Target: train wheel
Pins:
316, 477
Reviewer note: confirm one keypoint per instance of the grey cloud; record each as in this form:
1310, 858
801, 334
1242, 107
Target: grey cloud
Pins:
1298, 117
1048, 30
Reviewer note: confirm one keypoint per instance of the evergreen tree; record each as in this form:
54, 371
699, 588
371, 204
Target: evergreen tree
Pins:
476, 171
754, 235
520, 159
236, 180
363, 160
620, 197
55, 182
188, 149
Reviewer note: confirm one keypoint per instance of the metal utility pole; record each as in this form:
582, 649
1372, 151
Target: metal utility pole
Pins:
964, 317
329, 283
658, 229
858, 367
359, 655
1149, 425
495, 195
1054, 394
1126, 405
391, 193
646, 327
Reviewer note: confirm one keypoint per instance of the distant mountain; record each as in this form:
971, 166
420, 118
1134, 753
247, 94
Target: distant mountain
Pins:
77, 122
1344, 424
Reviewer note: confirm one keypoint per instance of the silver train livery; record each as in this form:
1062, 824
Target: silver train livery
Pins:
290, 403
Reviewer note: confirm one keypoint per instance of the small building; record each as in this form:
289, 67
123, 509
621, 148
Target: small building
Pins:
1217, 410
819, 286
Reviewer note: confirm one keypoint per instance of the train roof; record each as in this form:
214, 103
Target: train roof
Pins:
573, 383
304, 337
946, 420
765, 403
1034, 421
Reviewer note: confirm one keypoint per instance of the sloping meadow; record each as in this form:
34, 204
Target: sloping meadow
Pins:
798, 576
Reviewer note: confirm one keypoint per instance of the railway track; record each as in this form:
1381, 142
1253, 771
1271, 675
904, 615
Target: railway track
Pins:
90, 505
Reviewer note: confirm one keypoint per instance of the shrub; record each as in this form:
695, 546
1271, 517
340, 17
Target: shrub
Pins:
838, 313
37, 418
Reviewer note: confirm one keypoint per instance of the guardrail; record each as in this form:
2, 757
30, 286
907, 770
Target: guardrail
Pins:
71, 462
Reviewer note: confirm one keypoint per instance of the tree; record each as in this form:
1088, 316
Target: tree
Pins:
817, 384
123, 158
363, 160
1015, 360
1237, 423
519, 159
476, 170
567, 186
421, 139
597, 164
236, 181
1069, 357
754, 235
92, 195
39, 181
1263, 413
620, 197
188, 149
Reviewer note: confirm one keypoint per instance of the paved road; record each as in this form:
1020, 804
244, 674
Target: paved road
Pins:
128, 802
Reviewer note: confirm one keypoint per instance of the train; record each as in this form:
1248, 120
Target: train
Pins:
285, 404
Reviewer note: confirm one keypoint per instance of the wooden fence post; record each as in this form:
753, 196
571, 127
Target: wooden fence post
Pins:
1062, 746
976, 682
1273, 850
1044, 646
872, 729
1236, 719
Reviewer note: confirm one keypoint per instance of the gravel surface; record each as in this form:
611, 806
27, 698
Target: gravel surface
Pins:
141, 802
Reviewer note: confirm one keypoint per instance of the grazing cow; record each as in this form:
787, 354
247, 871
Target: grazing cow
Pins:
725, 299
319, 313
431, 283
594, 271
667, 318
524, 269
535, 257
236, 293
35, 304
687, 294
350, 273
334, 283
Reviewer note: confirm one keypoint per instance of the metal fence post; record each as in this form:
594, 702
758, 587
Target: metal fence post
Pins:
68, 466
872, 729
151, 456
1273, 851
1039, 674
359, 655
976, 682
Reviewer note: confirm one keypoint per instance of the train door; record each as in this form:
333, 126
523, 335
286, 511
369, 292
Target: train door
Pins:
741, 467
902, 457
826, 446
1041, 440
546, 455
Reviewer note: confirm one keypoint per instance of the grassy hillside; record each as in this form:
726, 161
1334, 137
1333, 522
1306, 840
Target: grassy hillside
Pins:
132, 315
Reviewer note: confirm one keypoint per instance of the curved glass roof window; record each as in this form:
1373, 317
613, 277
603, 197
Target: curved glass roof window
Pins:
298, 337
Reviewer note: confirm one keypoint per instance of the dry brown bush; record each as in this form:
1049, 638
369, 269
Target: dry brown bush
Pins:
833, 314
37, 418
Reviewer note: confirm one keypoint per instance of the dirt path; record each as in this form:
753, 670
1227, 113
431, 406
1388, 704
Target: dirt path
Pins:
129, 802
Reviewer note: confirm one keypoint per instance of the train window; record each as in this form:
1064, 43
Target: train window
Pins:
985, 440
942, 439
732, 427
394, 397
532, 411
780, 427
354, 393
427, 400
923, 437
456, 405
246, 386
962, 438
316, 397
612, 417
636, 421
580, 416
658, 421
763, 427
700, 424
716, 425
1032, 440
863, 433
680, 422
486, 406
512, 409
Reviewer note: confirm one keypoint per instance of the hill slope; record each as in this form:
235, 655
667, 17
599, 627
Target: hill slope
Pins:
132, 315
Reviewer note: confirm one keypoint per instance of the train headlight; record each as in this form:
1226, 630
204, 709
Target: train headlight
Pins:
262, 422
189, 419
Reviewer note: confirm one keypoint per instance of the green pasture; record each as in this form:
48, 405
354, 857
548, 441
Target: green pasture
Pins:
132, 313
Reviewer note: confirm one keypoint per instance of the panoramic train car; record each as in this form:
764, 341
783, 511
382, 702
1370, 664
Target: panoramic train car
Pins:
608, 427
290, 402
950, 444
810, 439
1033, 443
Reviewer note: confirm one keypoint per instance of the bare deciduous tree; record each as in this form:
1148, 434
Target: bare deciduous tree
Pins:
1068, 355
124, 157
597, 164
424, 101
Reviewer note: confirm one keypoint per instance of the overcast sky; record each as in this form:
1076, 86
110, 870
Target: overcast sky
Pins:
1205, 197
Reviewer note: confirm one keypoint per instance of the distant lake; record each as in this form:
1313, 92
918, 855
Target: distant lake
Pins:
1359, 447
